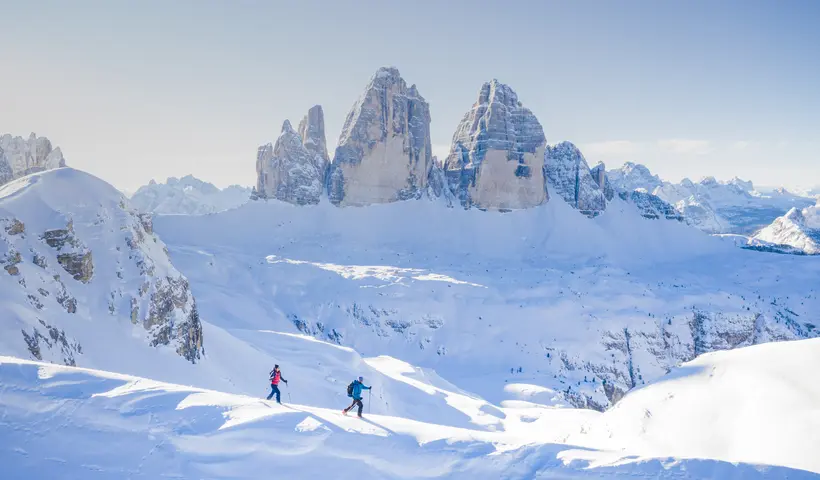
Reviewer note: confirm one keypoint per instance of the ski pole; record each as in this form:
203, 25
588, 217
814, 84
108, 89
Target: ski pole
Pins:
369, 397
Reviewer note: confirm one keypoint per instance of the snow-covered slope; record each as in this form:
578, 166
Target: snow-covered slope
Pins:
749, 413
188, 196
543, 294
84, 277
19, 156
798, 229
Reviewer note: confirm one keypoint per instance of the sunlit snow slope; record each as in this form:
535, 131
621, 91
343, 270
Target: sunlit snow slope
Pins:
749, 413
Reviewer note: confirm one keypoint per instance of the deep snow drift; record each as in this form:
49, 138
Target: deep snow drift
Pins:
748, 413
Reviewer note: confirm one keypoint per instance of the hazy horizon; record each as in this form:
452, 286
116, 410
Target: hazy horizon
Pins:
134, 92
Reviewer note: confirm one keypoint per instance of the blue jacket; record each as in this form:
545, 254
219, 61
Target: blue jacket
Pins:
357, 389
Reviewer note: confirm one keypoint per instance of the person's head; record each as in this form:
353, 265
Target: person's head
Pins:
276, 367
361, 379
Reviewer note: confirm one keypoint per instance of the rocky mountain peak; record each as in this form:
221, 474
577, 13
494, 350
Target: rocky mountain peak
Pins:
20, 157
312, 131
289, 171
497, 156
383, 153
569, 176
632, 176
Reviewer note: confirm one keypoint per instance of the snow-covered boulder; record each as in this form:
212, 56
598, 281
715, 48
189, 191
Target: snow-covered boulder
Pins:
632, 176
83, 270
289, 171
187, 196
496, 159
19, 156
569, 176
798, 229
383, 153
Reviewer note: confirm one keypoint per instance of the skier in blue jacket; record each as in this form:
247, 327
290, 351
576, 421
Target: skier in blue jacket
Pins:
356, 393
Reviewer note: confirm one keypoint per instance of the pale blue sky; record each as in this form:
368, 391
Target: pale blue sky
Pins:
141, 90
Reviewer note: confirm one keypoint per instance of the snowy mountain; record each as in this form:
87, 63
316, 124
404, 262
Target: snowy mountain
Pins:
19, 157
711, 205
798, 230
383, 154
632, 176
748, 413
187, 196
85, 280
496, 160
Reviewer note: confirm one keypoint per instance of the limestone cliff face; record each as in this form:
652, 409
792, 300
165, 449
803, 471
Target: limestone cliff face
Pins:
384, 153
569, 176
312, 132
293, 169
497, 156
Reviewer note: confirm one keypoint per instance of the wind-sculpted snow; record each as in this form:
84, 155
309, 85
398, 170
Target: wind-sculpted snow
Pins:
569, 176
187, 196
721, 416
496, 159
81, 270
19, 157
589, 308
383, 154
289, 171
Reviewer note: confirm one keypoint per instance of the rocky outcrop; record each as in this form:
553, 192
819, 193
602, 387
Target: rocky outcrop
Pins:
383, 153
288, 171
497, 156
80, 266
651, 206
599, 175
19, 156
569, 176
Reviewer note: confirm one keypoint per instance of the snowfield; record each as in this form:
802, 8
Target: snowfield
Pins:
748, 413
497, 344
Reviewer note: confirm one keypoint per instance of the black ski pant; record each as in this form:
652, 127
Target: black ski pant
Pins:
356, 401
274, 390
